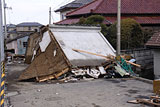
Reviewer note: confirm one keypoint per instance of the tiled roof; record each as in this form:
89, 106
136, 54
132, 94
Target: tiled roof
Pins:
29, 24
139, 19
11, 25
110, 20
68, 21
74, 4
127, 7
154, 40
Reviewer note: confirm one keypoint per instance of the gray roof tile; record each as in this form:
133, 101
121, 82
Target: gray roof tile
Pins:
74, 4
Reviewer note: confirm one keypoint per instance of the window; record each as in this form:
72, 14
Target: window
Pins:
25, 44
29, 28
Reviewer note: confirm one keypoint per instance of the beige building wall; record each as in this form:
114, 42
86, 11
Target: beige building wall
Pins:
23, 29
13, 45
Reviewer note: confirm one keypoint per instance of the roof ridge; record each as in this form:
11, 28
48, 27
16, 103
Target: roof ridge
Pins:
81, 7
98, 5
60, 21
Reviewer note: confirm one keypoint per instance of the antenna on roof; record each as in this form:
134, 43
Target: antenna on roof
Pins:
5, 25
50, 15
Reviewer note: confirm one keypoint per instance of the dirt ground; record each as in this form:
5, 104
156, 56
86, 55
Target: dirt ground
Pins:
95, 93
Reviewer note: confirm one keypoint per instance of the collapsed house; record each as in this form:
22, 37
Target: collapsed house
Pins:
33, 40
56, 53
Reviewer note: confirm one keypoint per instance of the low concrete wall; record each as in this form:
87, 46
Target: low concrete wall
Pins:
144, 57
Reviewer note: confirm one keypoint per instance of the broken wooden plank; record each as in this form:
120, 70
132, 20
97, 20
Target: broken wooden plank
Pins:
133, 102
137, 65
109, 57
52, 76
61, 73
77, 50
148, 101
45, 78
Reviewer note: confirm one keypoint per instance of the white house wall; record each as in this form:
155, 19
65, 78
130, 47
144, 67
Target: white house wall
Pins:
157, 63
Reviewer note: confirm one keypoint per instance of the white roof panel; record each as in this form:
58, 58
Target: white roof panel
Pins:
89, 39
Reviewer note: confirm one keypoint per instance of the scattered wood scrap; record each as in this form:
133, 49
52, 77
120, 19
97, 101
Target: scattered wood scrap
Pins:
49, 77
148, 101
154, 101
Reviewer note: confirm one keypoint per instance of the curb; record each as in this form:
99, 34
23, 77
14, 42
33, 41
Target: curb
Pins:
143, 79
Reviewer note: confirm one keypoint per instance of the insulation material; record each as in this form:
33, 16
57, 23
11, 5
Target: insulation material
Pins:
45, 41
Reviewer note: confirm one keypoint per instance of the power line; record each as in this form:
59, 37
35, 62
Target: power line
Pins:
62, 3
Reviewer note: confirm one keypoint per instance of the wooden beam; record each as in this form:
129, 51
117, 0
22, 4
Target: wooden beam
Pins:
62, 72
52, 76
110, 57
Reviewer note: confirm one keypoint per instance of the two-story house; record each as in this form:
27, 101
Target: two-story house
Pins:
70, 7
25, 28
145, 12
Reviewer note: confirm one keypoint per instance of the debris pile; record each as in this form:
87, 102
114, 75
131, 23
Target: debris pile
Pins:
110, 69
70, 53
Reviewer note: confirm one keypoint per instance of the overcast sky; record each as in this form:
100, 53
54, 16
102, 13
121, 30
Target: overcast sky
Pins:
33, 10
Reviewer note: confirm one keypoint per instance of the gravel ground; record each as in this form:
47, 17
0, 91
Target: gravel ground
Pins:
96, 93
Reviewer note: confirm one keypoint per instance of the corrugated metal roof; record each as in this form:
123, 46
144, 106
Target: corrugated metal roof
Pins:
84, 38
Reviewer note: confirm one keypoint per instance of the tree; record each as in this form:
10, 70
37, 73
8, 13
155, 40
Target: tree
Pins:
131, 34
94, 20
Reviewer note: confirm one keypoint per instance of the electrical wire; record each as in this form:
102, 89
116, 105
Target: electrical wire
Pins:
62, 3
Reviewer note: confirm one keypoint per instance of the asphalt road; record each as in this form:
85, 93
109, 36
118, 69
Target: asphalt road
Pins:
96, 93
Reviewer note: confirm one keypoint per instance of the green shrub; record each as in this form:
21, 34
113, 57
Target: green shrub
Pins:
94, 20
131, 34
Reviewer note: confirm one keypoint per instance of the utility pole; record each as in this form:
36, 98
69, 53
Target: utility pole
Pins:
118, 28
5, 25
2, 68
50, 15
1, 35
